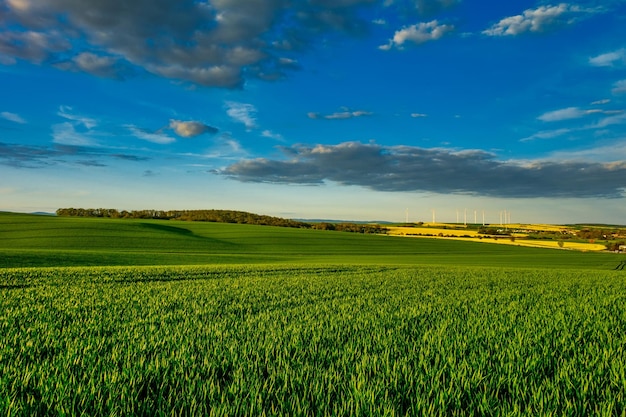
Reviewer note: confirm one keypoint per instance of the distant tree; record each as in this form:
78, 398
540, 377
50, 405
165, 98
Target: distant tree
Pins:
614, 246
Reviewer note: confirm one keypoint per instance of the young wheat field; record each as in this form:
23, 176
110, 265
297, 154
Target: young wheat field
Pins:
311, 338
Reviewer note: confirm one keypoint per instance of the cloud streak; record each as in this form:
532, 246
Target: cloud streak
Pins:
619, 87
243, 113
566, 114
12, 117
341, 115
27, 156
444, 171
609, 59
147, 135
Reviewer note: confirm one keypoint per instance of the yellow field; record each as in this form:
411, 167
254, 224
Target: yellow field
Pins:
549, 244
404, 231
473, 236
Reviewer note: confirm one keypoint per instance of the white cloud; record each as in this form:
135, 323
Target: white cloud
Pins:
65, 134
546, 134
609, 59
12, 117
154, 137
599, 102
417, 34
242, 113
619, 87
271, 135
572, 113
537, 20
563, 114
418, 115
616, 119
64, 111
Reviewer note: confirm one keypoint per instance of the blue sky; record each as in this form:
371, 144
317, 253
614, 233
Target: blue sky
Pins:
344, 109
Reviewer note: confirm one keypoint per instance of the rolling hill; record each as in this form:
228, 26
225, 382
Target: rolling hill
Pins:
32, 240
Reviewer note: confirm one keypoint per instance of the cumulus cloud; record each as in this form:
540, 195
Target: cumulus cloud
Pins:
98, 65
242, 112
609, 59
212, 43
191, 128
344, 114
407, 168
417, 34
33, 46
12, 117
539, 20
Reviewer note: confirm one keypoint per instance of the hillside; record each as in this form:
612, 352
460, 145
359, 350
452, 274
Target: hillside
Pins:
31, 240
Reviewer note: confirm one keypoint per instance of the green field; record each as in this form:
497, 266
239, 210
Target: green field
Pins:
256, 320
28, 240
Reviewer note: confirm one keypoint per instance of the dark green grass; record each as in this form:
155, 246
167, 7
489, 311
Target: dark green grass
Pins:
312, 340
29, 240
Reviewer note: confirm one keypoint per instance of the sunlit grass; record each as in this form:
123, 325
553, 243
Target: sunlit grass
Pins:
303, 340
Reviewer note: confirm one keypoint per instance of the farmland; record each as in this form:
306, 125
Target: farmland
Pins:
27, 240
250, 320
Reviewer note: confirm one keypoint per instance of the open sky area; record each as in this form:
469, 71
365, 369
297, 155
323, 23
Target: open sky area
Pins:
317, 109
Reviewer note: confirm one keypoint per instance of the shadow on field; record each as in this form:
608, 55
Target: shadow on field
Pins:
170, 229
14, 286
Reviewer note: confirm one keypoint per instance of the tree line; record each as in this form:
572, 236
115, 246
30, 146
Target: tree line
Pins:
218, 216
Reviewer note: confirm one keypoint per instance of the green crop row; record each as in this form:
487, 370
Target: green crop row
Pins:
303, 340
